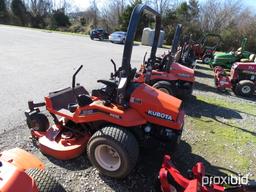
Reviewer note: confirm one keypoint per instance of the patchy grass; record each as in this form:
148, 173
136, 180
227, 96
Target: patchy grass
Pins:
221, 144
237, 106
227, 133
226, 139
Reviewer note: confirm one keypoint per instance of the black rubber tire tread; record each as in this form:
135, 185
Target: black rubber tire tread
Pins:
238, 89
41, 119
164, 84
44, 181
123, 139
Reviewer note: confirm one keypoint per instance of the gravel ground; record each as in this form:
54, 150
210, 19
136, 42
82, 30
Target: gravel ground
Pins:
78, 174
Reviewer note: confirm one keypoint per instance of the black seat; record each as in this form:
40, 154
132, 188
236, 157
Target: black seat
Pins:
84, 100
63, 98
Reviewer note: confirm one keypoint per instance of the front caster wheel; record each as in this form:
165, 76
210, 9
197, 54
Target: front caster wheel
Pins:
113, 151
38, 122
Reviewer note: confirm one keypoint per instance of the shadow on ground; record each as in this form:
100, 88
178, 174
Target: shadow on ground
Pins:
203, 67
208, 88
203, 75
198, 108
76, 164
144, 176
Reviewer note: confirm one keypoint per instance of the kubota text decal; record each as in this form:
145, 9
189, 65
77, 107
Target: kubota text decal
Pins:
160, 115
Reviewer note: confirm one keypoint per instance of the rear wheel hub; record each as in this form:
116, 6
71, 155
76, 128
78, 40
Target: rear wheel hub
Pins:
246, 89
107, 157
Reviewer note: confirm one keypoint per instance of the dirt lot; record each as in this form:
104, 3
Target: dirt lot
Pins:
220, 131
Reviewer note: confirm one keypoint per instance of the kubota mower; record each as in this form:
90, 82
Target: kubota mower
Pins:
20, 171
114, 121
227, 59
165, 73
242, 78
171, 180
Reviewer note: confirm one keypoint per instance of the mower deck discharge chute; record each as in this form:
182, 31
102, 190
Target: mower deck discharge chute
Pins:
21, 171
165, 73
114, 121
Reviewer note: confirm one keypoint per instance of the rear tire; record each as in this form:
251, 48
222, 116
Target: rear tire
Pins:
245, 88
206, 59
113, 151
164, 86
44, 181
38, 122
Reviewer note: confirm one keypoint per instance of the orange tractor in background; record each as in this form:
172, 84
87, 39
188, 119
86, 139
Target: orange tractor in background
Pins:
165, 73
20, 171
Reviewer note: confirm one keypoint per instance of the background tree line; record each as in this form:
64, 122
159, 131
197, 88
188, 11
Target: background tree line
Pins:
34, 13
230, 18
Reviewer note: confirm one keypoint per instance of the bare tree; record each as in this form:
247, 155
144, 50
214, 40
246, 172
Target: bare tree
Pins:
111, 13
40, 7
216, 14
91, 14
161, 5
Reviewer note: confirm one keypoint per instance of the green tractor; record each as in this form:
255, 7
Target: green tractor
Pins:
226, 59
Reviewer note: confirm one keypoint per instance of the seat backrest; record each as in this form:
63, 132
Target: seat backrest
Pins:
84, 100
177, 55
252, 57
63, 98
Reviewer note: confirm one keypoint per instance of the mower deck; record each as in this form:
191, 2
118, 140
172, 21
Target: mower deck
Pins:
62, 145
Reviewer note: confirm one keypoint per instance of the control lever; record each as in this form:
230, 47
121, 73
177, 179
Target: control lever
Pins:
112, 76
144, 58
